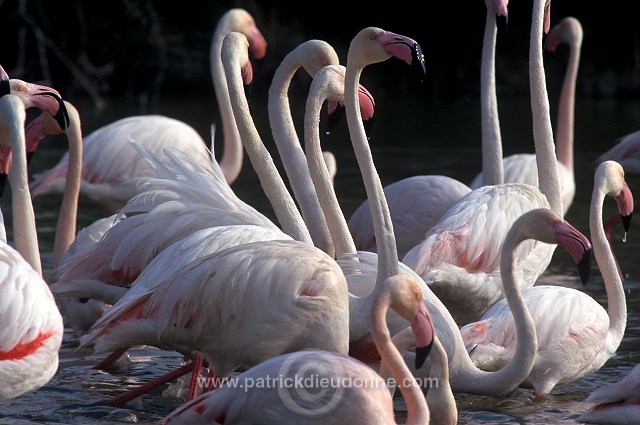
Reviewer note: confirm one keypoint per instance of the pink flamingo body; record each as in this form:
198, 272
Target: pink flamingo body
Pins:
576, 335
109, 159
358, 404
32, 327
617, 403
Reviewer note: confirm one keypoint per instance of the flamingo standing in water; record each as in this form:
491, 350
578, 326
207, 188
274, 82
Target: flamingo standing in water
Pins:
459, 258
576, 335
522, 167
110, 162
368, 403
617, 403
32, 326
464, 376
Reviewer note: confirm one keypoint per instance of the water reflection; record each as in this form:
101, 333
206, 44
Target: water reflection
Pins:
436, 139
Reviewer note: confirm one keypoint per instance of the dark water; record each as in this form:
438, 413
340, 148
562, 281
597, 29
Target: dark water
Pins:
436, 138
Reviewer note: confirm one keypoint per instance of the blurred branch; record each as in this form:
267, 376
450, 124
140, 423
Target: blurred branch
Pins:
44, 41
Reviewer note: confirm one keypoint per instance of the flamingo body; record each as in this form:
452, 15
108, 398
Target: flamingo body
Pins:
617, 403
576, 335
110, 161
459, 258
415, 203
239, 306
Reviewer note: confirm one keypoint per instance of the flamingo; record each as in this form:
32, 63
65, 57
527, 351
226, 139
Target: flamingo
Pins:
32, 327
362, 274
576, 335
109, 160
625, 152
522, 167
459, 257
133, 242
617, 403
357, 404
233, 63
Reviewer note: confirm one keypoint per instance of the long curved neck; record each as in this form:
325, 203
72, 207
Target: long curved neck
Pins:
320, 176
475, 381
292, 155
283, 205
382, 225
417, 410
566, 107
548, 178
359, 307
66, 226
617, 304
232, 154
24, 221
492, 167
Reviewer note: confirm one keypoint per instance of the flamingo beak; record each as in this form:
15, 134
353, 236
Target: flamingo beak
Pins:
61, 116
423, 329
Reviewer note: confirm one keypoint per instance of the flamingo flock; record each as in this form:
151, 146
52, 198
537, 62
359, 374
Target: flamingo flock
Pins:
429, 279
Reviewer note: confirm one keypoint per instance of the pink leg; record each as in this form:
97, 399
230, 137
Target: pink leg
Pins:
150, 386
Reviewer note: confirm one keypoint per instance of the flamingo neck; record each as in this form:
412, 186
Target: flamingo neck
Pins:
382, 225
548, 179
566, 107
320, 176
24, 221
616, 300
232, 154
492, 167
417, 410
292, 155
66, 225
476, 381
283, 205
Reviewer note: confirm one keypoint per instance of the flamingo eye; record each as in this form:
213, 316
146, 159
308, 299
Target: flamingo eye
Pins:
22, 87
372, 36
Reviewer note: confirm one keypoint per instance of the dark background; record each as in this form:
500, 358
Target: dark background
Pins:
144, 51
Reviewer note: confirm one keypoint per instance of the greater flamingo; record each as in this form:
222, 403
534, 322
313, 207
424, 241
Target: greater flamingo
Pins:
110, 162
365, 403
133, 242
522, 167
32, 327
459, 257
576, 335
361, 274
233, 63
617, 403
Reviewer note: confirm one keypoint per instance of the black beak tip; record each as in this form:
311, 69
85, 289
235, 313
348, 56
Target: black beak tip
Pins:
584, 267
418, 59
421, 355
334, 118
626, 221
62, 117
